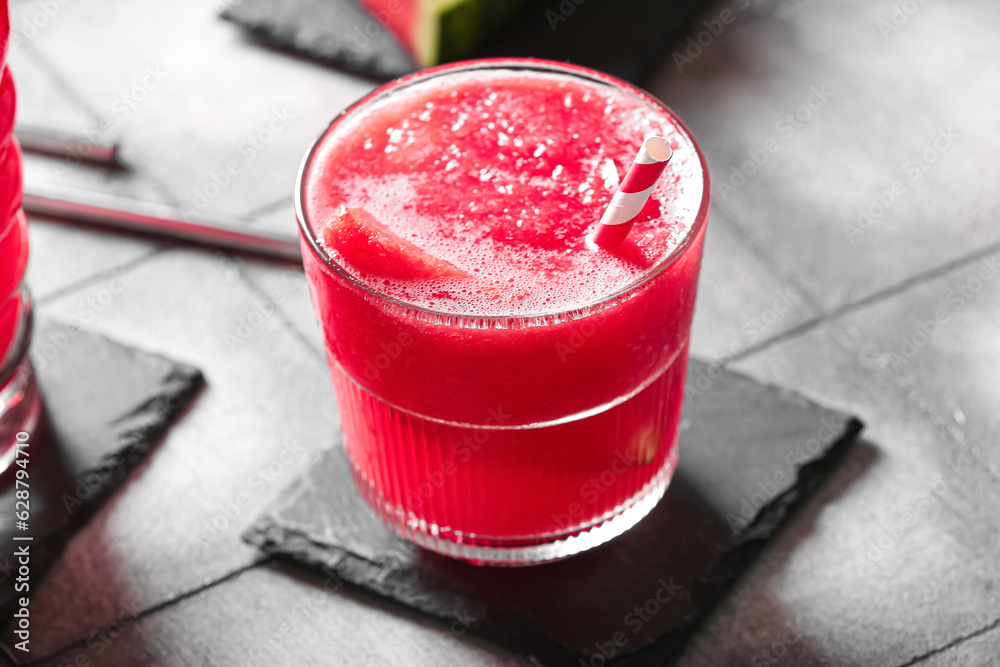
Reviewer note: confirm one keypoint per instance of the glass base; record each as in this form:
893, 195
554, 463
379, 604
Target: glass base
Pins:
480, 550
20, 403
20, 409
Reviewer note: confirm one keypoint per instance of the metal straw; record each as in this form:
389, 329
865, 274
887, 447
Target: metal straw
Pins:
38, 140
146, 218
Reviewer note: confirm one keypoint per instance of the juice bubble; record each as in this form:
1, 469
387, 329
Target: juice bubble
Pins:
499, 179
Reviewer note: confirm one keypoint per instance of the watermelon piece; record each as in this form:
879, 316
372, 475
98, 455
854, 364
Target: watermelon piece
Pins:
438, 31
371, 248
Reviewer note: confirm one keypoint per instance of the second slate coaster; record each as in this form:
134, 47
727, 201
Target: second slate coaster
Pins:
749, 453
105, 406
626, 38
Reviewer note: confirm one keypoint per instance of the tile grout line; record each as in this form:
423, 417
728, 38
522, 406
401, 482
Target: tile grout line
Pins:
777, 339
61, 83
872, 299
285, 319
264, 209
149, 611
748, 244
927, 416
952, 644
915, 281
93, 278
77, 98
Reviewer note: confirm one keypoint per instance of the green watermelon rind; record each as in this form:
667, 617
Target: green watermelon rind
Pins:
461, 25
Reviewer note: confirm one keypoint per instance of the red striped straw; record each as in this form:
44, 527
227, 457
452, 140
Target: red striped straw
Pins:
633, 193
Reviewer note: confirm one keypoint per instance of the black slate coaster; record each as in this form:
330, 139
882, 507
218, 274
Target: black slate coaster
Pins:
106, 405
336, 32
626, 38
749, 453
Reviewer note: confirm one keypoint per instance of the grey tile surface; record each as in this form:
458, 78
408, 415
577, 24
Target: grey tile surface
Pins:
191, 97
940, 342
900, 561
885, 100
49, 101
175, 526
42, 100
63, 255
67, 173
277, 216
980, 650
888, 563
741, 303
826, 592
930, 350
286, 286
275, 616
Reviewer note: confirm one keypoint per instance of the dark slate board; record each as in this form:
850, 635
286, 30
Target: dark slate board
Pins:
326, 30
106, 405
742, 442
626, 38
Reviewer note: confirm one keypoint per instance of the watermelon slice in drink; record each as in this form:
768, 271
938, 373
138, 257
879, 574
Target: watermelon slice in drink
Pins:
374, 250
437, 31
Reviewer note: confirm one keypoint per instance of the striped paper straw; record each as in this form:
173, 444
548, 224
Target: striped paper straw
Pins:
633, 193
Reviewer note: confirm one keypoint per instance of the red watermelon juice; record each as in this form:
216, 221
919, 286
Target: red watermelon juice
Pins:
507, 394
13, 228
19, 406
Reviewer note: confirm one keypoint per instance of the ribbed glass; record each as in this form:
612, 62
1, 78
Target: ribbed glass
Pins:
507, 439
513, 495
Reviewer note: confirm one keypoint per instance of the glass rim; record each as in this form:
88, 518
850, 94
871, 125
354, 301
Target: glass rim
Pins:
522, 64
22, 337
